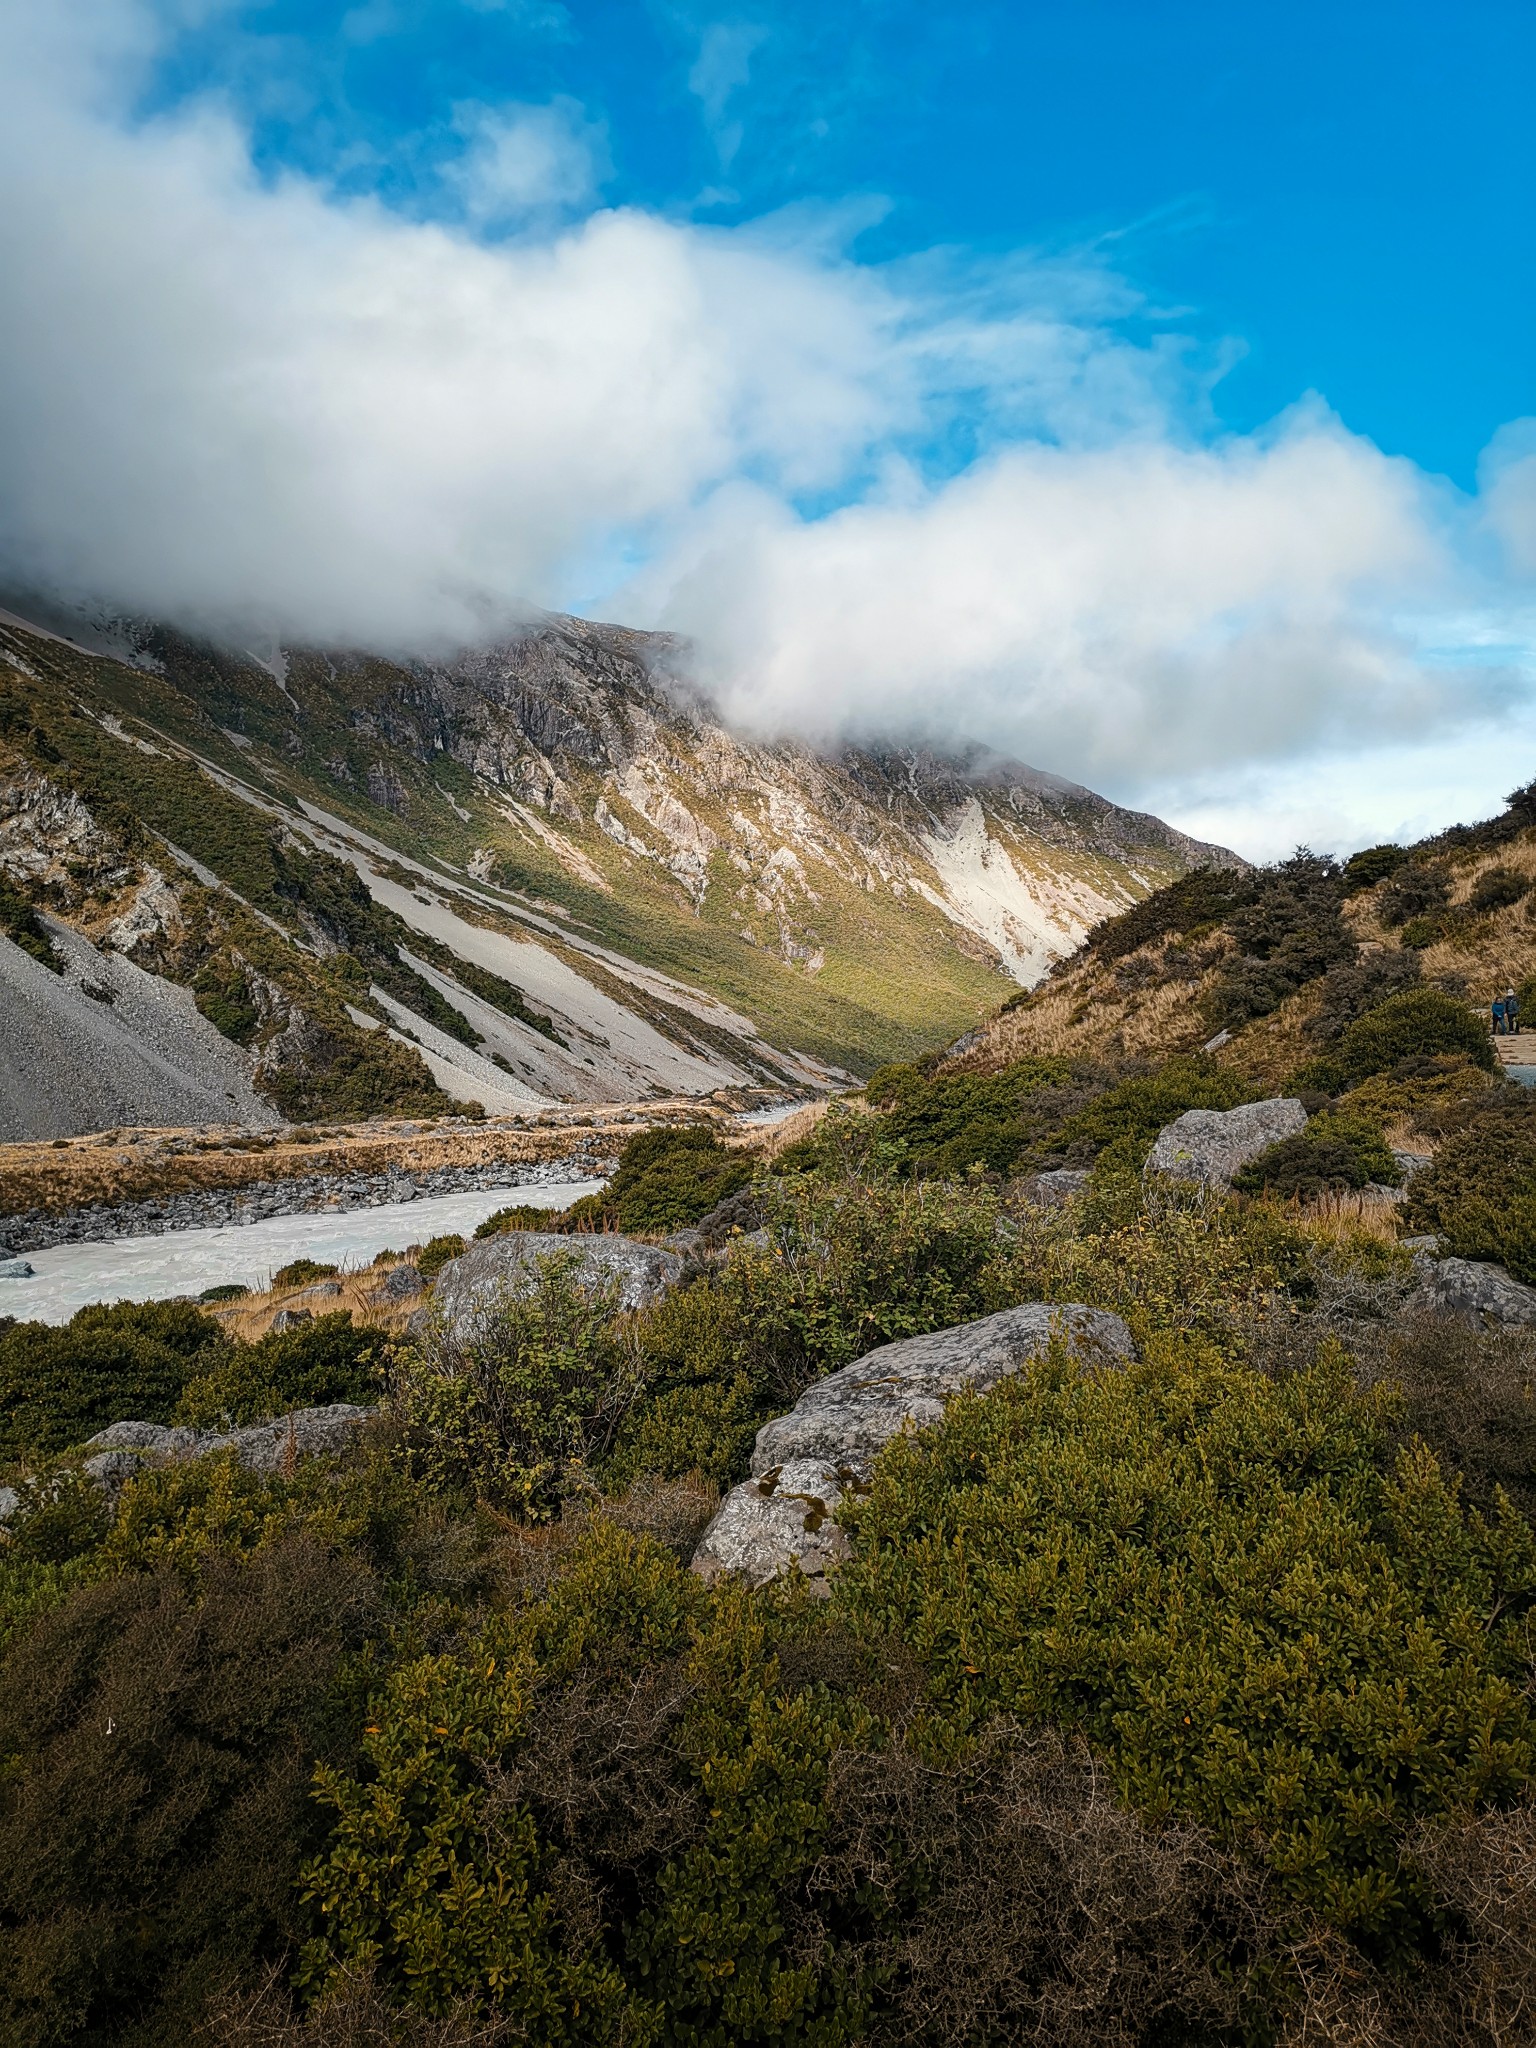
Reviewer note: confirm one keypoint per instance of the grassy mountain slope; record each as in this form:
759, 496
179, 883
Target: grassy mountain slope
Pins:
542, 869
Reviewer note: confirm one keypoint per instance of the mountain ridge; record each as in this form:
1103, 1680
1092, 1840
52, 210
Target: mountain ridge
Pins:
544, 870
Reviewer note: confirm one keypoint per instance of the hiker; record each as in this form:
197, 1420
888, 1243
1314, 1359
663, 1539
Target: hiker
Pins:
1498, 1016
1511, 1011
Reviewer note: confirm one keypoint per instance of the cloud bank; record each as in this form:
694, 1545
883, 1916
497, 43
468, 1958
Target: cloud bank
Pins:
943, 496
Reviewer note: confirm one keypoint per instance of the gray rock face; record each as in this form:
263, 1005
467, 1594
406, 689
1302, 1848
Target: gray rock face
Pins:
1466, 1287
1210, 1145
470, 1285
124, 1448
1059, 1184
1410, 1163
402, 1283
805, 1461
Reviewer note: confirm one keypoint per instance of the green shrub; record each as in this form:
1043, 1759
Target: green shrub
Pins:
1289, 931
298, 1272
1415, 889
1131, 1114
223, 993
59, 1385
436, 1253
1418, 1024
329, 1359
22, 925
706, 1428
670, 1177
1373, 864
519, 1216
1213, 1577
1497, 888
156, 1804
1204, 896
516, 1412
1336, 1151
1479, 1192
1420, 933
229, 1290
935, 1127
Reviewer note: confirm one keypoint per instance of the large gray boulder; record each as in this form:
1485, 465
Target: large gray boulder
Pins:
1210, 1145
116, 1453
1467, 1287
804, 1462
469, 1286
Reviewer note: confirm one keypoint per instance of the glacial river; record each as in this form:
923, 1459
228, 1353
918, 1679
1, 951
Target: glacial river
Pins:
68, 1276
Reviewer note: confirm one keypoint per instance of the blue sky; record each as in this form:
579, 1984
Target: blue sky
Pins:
1146, 389
1338, 198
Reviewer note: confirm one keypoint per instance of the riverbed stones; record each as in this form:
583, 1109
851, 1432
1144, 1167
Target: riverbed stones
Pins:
1210, 1145
469, 1286
804, 1462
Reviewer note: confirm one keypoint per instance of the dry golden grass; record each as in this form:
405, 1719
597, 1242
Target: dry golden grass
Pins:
358, 1291
137, 1165
768, 1141
1341, 1219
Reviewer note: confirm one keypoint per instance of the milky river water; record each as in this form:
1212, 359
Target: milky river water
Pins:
68, 1276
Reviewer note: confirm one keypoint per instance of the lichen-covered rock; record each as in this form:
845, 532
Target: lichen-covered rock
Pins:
785, 1515
116, 1453
1210, 1145
1467, 1287
471, 1284
1058, 1184
805, 1461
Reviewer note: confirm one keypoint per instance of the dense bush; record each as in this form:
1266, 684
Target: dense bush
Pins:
1202, 897
1130, 1115
1418, 1024
329, 1359
298, 1272
437, 1251
667, 1178
1373, 864
22, 925
1479, 1193
1339, 1149
1497, 888
156, 1806
1212, 1576
936, 1126
1416, 889
1347, 992
1291, 931
516, 1411
60, 1384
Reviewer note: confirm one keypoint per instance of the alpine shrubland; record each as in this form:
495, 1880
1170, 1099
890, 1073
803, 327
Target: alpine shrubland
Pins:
1185, 1701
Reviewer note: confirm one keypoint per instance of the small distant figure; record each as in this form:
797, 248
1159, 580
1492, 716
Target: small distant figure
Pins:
1511, 1010
1498, 1016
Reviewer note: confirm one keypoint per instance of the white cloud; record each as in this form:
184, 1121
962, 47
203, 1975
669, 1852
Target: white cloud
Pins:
524, 163
722, 66
939, 495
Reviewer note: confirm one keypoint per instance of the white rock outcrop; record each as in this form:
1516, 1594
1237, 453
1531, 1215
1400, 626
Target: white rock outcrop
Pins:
1211, 1145
804, 1462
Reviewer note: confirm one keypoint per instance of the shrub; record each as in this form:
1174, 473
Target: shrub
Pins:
1211, 1576
436, 1253
59, 1385
1130, 1115
156, 1806
22, 925
1479, 1193
1202, 897
1416, 889
707, 1428
1372, 865
1287, 934
1337, 1150
329, 1359
519, 1216
298, 1272
1497, 888
1418, 1024
934, 1127
517, 1411
670, 1177
1360, 985
229, 1290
